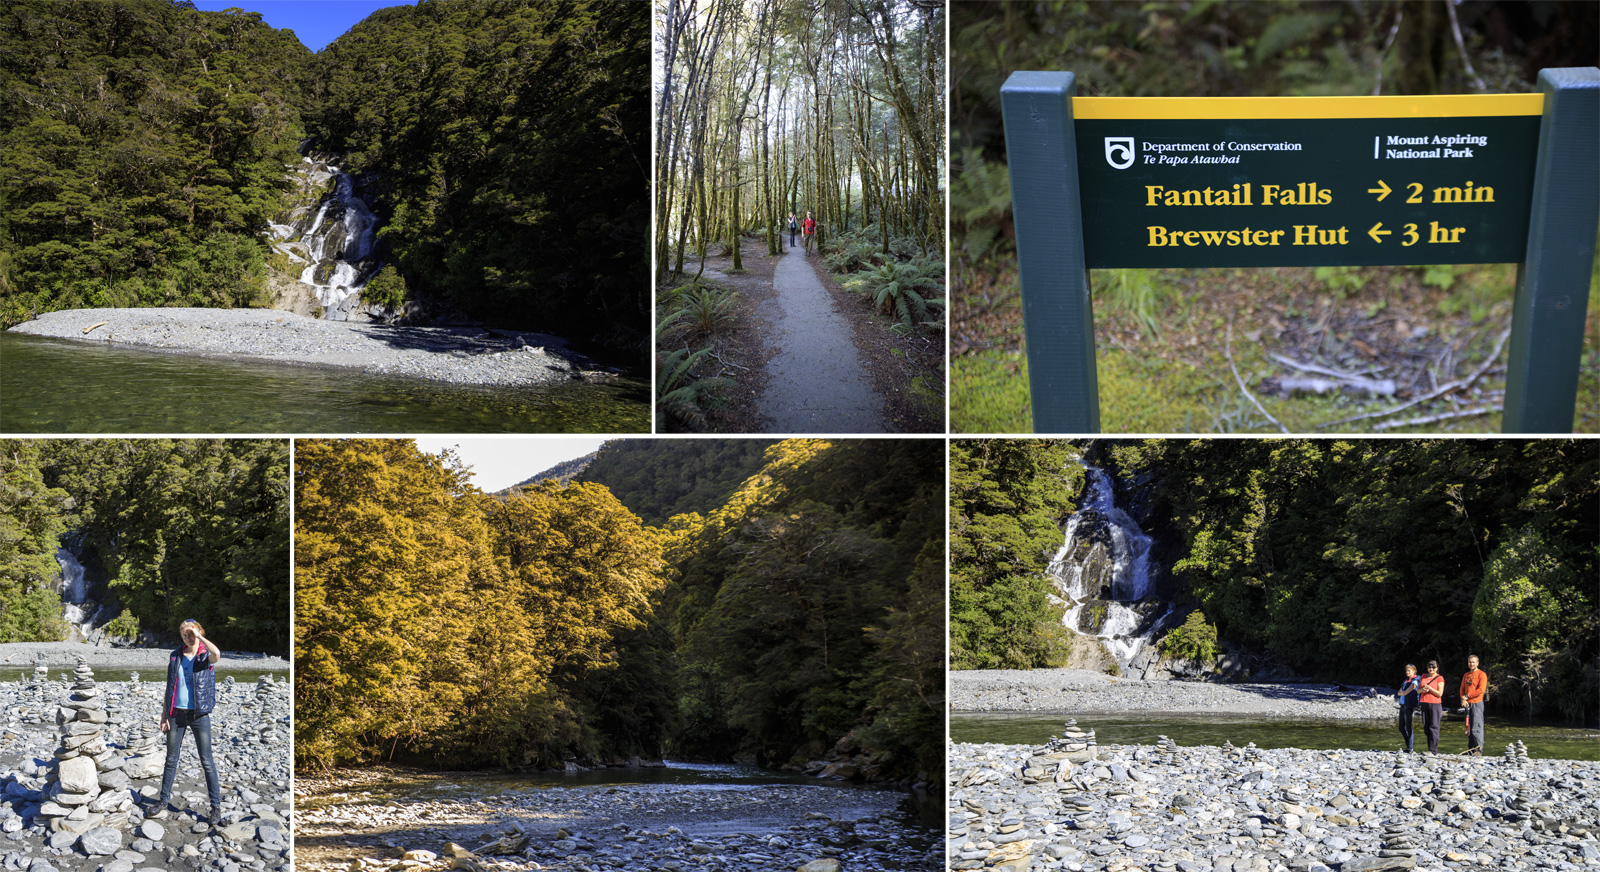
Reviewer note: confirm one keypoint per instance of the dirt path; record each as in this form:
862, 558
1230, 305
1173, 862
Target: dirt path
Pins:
816, 382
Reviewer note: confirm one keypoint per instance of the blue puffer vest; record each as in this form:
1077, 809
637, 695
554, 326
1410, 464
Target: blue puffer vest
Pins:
202, 691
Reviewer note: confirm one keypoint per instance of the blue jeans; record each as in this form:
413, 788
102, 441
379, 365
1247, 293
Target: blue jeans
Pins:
1406, 710
181, 720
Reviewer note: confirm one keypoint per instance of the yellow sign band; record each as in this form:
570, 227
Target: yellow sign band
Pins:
1196, 108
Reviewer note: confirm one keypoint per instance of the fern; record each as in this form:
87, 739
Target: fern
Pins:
679, 392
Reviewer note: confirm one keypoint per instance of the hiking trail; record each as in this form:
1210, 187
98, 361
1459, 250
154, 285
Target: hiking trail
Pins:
816, 382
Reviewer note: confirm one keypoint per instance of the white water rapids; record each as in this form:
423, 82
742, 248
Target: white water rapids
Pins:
76, 607
1130, 574
336, 239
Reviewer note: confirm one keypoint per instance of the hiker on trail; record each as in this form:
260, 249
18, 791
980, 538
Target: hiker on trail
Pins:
1432, 698
1473, 686
793, 228
808, 229
1408, 703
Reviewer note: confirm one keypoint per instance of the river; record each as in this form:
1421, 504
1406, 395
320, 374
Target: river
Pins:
1543, 740
685, 815
60, 386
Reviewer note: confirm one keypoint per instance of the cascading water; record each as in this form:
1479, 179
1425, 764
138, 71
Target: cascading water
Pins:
336, 239
1104, 563
76, 608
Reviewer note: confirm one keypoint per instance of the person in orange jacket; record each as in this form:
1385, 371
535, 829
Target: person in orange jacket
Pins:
1473, 686
1431, 694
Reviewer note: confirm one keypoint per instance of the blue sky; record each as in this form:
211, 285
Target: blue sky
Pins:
316, 22
498, 462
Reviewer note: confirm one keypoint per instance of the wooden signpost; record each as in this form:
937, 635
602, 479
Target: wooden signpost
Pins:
1106, 182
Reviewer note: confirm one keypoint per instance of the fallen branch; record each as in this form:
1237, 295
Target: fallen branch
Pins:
1429, 419
1436, 392
92, 326
1370, 387
1247, 393
1321, 370
725, 363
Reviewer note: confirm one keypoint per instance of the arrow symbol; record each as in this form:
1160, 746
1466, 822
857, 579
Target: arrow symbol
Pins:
1376, 234
1381, 190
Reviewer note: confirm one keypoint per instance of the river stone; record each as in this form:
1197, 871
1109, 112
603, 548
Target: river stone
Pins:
824, 865
78, 776
153, 831
100, 841
239, 832
120, 864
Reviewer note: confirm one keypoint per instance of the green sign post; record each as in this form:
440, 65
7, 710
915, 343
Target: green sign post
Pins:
1229, 182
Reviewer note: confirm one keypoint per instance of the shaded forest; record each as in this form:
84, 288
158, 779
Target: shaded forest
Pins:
1341, 559
773, 107
145, 145
174, 529
443, 626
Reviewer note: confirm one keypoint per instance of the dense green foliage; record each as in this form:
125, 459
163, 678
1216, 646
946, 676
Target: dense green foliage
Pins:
808, 607
178, 528
142, 146
1008, 498
1195, 640
437, 624
657, 479
31, 523
1345, 560
504, 142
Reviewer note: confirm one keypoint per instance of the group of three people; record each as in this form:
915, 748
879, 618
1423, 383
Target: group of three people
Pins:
1427, 693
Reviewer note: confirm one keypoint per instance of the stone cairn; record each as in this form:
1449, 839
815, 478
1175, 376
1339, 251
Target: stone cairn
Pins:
88, 790
1166, 748
149, 756
1398, 841
1251, 752
1516, 752
1081, 811
1078, 745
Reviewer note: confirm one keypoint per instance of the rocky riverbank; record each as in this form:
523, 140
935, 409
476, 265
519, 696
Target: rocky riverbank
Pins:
344, 821
459, 355
19, 657
1209, 809
1084, 692
251, 742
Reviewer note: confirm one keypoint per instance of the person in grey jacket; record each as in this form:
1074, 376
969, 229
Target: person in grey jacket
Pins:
190, 697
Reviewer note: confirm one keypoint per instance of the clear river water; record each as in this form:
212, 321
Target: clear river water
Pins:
1544, 740
61, 386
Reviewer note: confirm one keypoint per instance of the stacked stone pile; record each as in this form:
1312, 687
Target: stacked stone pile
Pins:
86, 799
149, 753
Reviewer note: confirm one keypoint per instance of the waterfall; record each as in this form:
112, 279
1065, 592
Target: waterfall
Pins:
336, 240
76, 608
1104, 563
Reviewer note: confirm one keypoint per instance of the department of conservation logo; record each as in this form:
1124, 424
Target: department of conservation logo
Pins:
1119, 146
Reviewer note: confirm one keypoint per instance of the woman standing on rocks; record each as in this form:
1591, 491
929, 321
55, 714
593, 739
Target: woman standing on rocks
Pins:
191, 694
1408, 704
1432, 693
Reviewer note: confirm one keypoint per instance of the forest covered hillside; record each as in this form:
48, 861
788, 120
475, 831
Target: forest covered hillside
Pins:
173, 529
657, 479
441, 626
1339, 559
502, 144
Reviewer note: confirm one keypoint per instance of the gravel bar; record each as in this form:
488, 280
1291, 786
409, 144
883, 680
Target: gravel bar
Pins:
1086, 692
21, 655
459, 355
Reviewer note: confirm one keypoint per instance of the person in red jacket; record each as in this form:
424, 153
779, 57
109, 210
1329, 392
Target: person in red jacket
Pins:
1474, 684
808, 231
1431, 694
